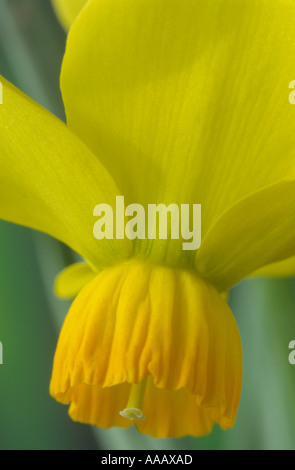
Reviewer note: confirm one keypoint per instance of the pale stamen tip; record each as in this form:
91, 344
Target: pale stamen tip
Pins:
132, 414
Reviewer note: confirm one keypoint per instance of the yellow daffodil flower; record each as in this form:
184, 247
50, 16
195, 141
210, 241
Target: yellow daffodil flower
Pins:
167, 101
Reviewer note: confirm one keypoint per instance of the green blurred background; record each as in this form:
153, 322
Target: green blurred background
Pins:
32, 44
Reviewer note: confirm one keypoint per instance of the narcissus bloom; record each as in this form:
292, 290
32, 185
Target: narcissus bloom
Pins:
167, 101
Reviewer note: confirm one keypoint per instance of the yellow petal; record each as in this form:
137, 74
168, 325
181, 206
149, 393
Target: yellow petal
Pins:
71, 280
138, 320
192, 96
283, 268
258, 231
175, 412
95, 405
50, 181
67, 11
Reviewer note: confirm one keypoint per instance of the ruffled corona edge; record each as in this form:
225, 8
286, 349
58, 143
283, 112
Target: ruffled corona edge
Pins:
137, 322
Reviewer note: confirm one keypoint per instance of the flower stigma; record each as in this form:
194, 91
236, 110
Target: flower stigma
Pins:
133, 410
